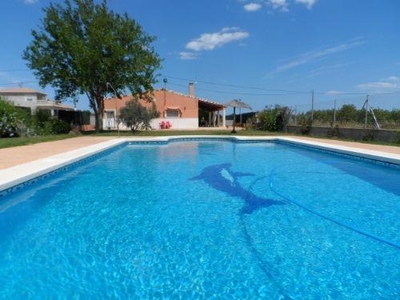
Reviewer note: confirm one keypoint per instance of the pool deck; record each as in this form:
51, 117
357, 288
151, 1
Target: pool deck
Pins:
10, 157
22, 163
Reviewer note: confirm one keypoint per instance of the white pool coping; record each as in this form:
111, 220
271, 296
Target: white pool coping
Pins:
16, 175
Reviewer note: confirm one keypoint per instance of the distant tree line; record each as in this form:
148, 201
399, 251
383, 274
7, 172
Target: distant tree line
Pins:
275, 118
349, 116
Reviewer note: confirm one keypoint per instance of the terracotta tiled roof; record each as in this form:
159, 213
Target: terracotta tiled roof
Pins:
205, 101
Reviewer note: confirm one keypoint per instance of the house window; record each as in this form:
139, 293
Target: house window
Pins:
110, 114
29, 99
172, 113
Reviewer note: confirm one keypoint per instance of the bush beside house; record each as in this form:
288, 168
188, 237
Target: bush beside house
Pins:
17, 121
136, 116
10, 119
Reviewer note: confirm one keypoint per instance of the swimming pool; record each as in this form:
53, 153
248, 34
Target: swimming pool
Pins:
205, 219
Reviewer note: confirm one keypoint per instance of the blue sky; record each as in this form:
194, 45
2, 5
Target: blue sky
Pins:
264, 52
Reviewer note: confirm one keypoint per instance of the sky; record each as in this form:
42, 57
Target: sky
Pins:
297, 53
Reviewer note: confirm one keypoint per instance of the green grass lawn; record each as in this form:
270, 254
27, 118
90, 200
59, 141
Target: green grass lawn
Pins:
182, 132
20, 141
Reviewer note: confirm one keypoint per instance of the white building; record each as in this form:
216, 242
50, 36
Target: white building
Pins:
30, 98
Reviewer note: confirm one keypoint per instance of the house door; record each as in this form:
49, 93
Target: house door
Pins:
110, 119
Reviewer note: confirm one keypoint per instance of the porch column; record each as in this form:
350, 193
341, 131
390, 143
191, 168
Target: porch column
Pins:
223, 117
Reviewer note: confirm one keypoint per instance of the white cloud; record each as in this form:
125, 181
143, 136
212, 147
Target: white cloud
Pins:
312, 56
188, 55
326, 68
252, 7
282, 5
333, 93
278, 4
393, 79
390, 83
30, 1
308, 3
210, 41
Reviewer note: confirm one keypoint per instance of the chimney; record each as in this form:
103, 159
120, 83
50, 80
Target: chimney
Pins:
191, 89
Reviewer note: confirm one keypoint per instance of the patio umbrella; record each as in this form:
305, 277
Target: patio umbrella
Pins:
239, 104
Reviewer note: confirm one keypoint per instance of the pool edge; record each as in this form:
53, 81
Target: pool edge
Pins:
349, 150
19, 174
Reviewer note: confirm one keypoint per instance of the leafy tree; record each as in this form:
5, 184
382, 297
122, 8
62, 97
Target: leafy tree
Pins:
350, 114
323, 116
274, 118
382, 115
136, 116
395, 115
81, 45
347, 113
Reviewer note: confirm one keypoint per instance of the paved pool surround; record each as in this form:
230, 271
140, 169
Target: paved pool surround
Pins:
21, 164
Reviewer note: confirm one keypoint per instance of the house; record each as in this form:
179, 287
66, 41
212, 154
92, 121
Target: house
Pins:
32, 99
178, 110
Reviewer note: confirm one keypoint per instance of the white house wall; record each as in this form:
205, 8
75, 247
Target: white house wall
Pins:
21, 100
186, 123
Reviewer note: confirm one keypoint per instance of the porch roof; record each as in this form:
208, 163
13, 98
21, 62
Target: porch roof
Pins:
210, 105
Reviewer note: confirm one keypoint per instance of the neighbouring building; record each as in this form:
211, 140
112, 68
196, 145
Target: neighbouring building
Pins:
179, 110
35, 100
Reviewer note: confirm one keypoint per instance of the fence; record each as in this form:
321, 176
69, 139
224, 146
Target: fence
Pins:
386, 136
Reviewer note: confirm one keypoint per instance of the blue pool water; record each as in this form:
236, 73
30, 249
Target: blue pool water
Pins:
205, 220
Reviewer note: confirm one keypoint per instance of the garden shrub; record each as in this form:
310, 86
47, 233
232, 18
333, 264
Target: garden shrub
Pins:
60, 127
136, 116
9, 119
274, 118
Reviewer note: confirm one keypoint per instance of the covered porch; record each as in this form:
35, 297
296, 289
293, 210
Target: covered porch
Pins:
211, 114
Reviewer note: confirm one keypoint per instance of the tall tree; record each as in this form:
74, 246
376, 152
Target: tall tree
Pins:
347, 113
81, 45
